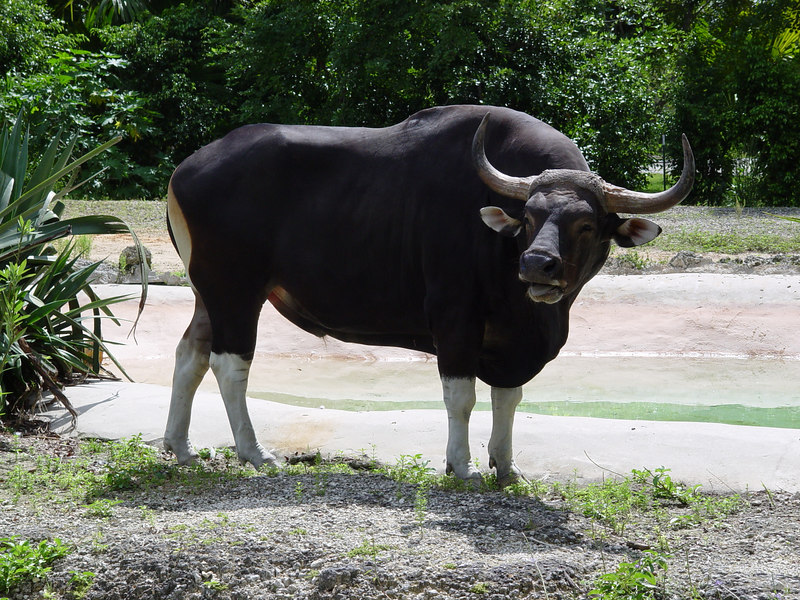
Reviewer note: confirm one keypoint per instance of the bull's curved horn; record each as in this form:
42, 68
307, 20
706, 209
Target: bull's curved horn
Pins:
626, 201
505, 185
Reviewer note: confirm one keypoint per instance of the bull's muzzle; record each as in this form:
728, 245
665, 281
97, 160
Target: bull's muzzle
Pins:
544, 274
540, 267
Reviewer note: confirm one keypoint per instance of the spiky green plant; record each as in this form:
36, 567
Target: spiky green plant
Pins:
48, 335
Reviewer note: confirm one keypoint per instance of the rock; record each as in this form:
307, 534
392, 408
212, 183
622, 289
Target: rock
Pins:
170, 279
685, 260
331, 577
129, 260
104, 273
625, 264
753, 261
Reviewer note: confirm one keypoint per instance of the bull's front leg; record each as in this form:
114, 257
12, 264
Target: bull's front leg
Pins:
504, 404
457, 332
459, 398
232, 371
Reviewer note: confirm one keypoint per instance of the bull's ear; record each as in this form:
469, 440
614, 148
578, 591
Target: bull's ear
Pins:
635, 232
497, 219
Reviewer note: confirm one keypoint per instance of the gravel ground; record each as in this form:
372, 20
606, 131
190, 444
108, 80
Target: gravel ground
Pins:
364, 536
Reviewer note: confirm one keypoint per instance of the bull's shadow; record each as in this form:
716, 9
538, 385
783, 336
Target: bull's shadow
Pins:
495, 523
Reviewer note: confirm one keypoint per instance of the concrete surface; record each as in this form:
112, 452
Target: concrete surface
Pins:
682, 317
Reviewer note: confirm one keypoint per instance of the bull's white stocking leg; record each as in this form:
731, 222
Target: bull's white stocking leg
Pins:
231, 372
504, 403
459, 398
191, 364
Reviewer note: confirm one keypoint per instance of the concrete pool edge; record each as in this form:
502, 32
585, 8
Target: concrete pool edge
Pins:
721, 458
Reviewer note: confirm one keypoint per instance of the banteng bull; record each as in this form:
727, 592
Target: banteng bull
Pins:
404, 236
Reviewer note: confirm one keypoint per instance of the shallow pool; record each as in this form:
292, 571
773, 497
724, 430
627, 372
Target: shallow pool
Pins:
734, 390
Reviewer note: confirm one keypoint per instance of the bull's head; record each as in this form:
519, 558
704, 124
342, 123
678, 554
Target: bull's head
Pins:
569, 218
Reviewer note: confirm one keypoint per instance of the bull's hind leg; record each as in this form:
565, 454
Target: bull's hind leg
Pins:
504, 403
234, 321
232, 371
191, 364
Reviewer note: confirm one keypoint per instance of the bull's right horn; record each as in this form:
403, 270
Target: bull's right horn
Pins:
626, 201
505, 185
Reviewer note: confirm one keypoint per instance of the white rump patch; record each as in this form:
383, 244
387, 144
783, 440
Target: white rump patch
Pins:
180, 229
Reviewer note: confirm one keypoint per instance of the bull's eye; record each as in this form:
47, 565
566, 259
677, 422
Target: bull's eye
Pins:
587, 228
529, 227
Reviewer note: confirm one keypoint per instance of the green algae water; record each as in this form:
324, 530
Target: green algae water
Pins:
732, 390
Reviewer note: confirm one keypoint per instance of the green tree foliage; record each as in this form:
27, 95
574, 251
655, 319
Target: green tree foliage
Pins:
56, 80
81, 15
613, 75
80, 87
207, 68
374, 62
738, 99
170, 61
26, 31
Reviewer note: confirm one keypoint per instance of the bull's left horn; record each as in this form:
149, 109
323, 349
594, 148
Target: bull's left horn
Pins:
505, 185
626, 201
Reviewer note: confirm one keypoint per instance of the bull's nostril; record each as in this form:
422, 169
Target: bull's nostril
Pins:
549, 264
546, 264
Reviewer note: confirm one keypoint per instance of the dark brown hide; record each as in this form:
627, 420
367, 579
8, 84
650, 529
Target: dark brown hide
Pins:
375, 236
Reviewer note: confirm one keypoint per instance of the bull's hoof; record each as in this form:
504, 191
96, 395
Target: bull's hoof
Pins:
183, 451
466, 472
508, 476
258, 457
509, 479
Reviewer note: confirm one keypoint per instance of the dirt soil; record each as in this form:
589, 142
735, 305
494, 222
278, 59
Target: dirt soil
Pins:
366, 536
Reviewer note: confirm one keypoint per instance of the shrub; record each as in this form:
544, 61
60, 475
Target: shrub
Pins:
46, 336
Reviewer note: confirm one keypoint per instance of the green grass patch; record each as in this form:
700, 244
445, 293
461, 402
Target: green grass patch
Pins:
368, 548
101, 472
655, 183
615, 502
80, 583
142, 215
699, 240
639, 580
94, 480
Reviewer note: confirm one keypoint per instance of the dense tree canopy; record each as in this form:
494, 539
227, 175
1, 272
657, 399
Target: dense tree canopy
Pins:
739, 96
613, 75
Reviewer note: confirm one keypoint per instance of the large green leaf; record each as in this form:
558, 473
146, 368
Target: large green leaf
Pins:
14, 157
46, 184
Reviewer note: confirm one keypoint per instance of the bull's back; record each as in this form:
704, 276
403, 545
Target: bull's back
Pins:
342, 225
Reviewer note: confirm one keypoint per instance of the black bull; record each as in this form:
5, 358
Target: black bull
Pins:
403, 236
